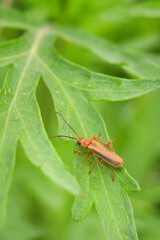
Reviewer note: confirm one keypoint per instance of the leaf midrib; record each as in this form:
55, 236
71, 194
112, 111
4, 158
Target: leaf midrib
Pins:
40, 33
106, 193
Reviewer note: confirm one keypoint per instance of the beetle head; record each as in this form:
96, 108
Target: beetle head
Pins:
83, 141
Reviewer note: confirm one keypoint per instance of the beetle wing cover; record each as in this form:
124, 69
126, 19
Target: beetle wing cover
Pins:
105, 154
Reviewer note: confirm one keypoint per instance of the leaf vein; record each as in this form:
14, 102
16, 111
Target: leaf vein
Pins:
14, 56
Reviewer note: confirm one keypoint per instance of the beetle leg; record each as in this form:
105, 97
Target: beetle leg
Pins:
89, 161
98, 160
95, 138
79, 150
110, 143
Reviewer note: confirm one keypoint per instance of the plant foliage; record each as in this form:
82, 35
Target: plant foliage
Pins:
72, 87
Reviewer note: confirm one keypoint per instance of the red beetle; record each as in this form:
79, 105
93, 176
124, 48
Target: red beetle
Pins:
103, 152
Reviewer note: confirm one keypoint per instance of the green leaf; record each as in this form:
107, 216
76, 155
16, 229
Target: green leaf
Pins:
148, 9
137, 64
13, 19
20, 115
71, 86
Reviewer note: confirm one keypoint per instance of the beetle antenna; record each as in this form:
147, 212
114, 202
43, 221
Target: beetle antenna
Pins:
68, 124
63, 136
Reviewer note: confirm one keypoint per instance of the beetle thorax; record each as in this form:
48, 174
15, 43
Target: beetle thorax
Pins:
84, 142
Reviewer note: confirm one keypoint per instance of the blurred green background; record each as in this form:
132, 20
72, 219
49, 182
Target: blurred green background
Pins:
38, 209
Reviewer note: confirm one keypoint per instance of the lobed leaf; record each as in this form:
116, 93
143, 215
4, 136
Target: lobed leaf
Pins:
71, 87
20, 116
